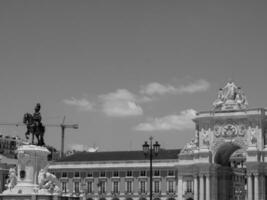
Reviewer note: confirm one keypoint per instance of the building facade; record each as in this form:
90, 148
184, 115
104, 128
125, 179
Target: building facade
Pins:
116, 175
225, 160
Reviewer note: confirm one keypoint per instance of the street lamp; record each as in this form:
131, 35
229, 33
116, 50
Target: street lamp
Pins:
151, 150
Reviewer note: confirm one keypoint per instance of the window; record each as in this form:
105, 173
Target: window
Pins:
156, 186
189, 185
142, 186
116, 187
77, 174
129, 173
64, 174
129, 186
115, 174
64, 187
170, 173
171, 186
76, 187
90, 187
90, 174
102, 174
102, 186
156, 173
143, 173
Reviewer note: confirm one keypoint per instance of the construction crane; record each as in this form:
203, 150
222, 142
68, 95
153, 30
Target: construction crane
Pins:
63, 126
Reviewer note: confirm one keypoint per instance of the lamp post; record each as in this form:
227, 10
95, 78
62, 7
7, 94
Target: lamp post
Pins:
151, 150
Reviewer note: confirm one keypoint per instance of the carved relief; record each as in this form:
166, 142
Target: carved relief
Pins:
229, 130
217, 130
242, 130
253, 132
24, 159
205, 137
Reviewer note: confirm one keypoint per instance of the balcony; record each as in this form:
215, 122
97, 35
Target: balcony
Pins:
115, 194
171, 194
142, 193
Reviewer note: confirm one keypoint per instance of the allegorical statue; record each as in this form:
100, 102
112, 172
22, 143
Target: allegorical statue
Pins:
220, 99
48, 181
229, 90
34, 125
230, 97
12, 179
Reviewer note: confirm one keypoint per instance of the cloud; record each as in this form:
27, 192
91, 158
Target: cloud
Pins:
160, 89
77, 147
157, 88
198, 86
171, 122
82, 104
121, 103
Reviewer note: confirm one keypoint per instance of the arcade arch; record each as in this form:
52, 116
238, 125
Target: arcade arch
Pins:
232, 172
224, 152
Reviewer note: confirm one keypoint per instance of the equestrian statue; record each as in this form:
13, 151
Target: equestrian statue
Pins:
34, 125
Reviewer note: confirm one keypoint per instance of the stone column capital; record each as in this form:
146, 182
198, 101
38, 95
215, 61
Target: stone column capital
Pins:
256, 174
249, 173
208, 175
180, 176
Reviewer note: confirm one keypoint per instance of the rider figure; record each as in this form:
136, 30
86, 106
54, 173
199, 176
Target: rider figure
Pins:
37, 118
37, 124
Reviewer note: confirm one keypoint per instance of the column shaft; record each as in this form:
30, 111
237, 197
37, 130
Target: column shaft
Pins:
263, 187
201, 188
195, 188
214, 186
180, 188
207, 187
250, 187
256, 187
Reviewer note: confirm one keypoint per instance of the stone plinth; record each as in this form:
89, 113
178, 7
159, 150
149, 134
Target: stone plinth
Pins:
31, 159
252, 154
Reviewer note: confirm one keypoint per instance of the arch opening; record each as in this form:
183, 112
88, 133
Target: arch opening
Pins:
224, 152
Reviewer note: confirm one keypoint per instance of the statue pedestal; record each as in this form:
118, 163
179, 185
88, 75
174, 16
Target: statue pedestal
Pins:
252, 154
31, 159
230, 105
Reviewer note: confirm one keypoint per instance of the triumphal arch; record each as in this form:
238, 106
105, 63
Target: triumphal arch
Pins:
227, 158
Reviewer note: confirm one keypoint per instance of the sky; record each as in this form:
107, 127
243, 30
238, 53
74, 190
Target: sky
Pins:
127, 70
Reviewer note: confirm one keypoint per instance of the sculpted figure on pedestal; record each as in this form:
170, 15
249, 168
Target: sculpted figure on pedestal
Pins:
205, 137
48, 181
241, 99
230, 97
192, 145
220, 99
12, 179
229, 91
253, 137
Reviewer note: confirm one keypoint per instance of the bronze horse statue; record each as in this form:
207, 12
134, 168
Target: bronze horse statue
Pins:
35, 128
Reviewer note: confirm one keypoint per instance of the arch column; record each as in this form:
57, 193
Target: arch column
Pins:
207, 187
250, 189
201, 187
180, 188
195, 188
214, 186
262, 187
256, 186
